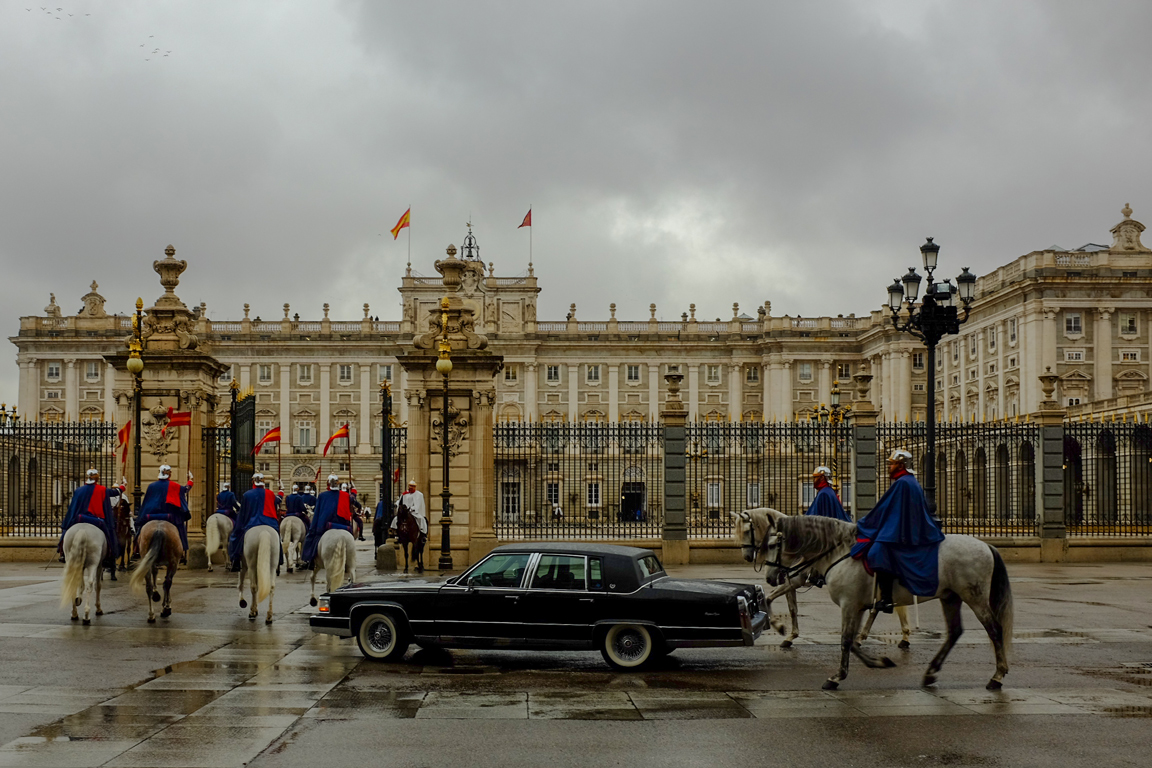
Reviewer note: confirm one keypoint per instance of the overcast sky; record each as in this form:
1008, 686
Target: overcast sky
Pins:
707, 152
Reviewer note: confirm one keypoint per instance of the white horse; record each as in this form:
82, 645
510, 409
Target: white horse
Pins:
261, 555
337, 556
216, 534
84, 549
970, 572
292, 532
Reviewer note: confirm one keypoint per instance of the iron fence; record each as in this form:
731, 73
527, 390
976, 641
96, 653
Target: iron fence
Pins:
985, 473
217, 466
1107, 479
43, 464
579, 481
735, 466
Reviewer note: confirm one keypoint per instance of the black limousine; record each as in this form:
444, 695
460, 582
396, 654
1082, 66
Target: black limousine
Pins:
542, 595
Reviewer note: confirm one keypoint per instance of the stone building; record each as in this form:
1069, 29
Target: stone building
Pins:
1084, 312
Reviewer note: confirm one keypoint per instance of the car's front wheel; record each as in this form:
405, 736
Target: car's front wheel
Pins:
382, 637
627, 647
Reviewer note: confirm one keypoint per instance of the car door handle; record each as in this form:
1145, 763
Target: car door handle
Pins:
587, 599
512, 597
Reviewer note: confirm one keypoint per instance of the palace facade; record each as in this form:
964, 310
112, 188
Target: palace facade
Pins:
1083, 312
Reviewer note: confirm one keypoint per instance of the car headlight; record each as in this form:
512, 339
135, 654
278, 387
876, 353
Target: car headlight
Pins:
324, 604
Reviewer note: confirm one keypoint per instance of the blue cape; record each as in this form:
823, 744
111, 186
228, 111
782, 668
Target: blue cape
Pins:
294, 505
900, 537
78, 513
227, 504
827, 504
251, 515
323, 518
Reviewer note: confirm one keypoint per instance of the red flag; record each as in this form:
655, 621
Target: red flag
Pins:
396, 476
527, 220
271, 436
177, 419
342, 432
405, 221
122, 438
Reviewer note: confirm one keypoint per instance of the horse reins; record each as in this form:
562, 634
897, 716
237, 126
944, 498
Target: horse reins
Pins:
790, 570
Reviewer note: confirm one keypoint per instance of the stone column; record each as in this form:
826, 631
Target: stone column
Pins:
613, 393
109, 397
905, 359
1102, 354
786, 409
245, 377
693, 392
71, 391
653, 392
1001, 346
675, 415
365, 435
28, 396
325, 428
482, 538
400, 397
1050, 474
864, 446
878, 372
573, 392
285, 412
531, 382
770, 372
825, 382
735, 392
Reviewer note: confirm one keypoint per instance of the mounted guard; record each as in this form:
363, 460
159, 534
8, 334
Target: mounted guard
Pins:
333, 510
92, 504
826, 503
167, 500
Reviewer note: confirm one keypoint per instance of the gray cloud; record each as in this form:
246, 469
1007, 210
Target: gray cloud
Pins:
673, 152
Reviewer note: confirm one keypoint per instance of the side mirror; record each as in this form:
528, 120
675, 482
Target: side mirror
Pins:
472, 584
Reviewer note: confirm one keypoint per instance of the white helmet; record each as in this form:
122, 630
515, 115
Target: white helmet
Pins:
165, 471
822, 470
343, 486
225, 486
91, 476
333, 481
901, 456
295, 488
258, 479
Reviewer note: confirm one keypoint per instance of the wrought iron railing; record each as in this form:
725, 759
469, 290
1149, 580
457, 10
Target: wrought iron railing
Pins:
1107, 479
985, 473
42, 464
579, 481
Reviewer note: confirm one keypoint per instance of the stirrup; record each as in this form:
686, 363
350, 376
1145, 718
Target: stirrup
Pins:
883, 607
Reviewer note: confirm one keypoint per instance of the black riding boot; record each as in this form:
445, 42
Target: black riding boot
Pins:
886, 580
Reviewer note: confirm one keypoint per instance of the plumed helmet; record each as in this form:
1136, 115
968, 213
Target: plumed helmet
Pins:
822, 470
343, 486
165, 471
258, 479
901, 456
333, 481
91, 476
295, 487
225, 486
411, 483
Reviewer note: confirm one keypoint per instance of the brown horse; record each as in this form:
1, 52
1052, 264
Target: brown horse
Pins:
408, 532
160, 542
124, 533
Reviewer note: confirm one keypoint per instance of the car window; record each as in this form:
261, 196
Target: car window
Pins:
650, 566
595, 575
559, 572
499, 571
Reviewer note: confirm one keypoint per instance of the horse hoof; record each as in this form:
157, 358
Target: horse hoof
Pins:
830, 685
312, 602
165, 613
251, 618
904, 645
886, 662
76, 602
929, 680
114, 576
75, 618
155, 597
289, 570
99, 612
268, 621
151, 619
86, 622
243, 603
994, 685
786, 644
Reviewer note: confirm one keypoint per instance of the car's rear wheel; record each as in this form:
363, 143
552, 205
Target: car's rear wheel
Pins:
382, 637
627, 647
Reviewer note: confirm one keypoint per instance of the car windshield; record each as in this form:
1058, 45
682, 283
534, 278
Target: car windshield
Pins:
499, 571
650, 566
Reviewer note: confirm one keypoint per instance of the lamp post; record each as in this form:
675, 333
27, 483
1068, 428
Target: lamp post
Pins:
135, 367
385, 459
936, 316
444, 367
834, 417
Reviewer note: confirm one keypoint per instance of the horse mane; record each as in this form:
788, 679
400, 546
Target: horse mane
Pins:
807, 535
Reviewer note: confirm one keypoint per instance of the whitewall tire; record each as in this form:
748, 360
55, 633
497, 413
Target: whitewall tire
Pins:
382, 637
627, 646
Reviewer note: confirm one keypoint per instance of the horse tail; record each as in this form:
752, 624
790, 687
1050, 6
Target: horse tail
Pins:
1000, 598
264, 574
73, 572
148, 561
212, 537
335, 569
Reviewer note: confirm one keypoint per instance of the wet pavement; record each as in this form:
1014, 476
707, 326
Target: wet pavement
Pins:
209, 688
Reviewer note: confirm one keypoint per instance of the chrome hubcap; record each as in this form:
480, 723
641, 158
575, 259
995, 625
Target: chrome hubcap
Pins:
629, 645
379, 636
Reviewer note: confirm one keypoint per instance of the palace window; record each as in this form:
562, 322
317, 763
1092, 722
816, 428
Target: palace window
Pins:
632, 374
344, 373
226, 377
918, 387
805, 371
386, 372
991, 367
304, 373
972, 345
992, 337
712, 372
53, 371
955, 351
1073, 355
715, 494
1130, 356
1128, 323
752, 374
305, 434
955, 379
264, 374
593, 374
971, 374
844, 371
92, 370
1072, 326
918, 361
510, 374
1073, 401
752, 495
552, 374
593, 491
263, 427
1012, 362
1012, 330
52, 394
552, 492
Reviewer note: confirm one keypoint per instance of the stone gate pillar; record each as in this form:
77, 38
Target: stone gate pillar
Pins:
862, 419
1050, 473
675, 416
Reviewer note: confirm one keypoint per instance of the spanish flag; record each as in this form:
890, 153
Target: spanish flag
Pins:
342, 432
177, 419
271, 436
122, 438
404, 222
527, 220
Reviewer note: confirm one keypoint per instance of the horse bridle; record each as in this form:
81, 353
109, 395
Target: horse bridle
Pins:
791, 570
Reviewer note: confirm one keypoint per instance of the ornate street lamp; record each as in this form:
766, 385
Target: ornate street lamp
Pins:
834, 417
444, 367
385, 459
135, 367
936, 316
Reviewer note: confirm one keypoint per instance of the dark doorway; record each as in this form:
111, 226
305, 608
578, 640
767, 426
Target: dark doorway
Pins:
632, 500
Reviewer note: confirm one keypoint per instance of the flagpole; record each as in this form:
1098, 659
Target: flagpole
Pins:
409, 228
530, 228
